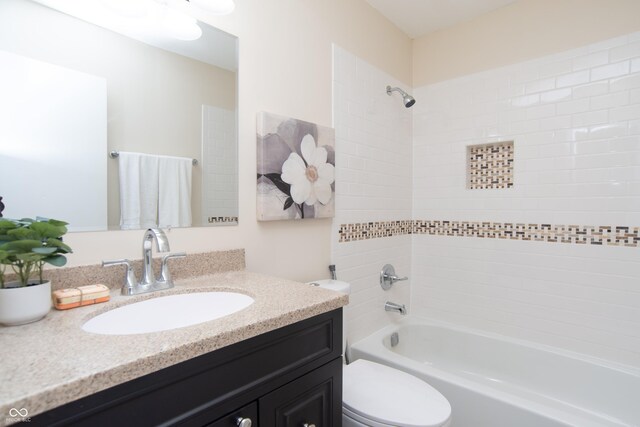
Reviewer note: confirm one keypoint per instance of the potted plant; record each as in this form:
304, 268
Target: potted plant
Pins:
26, 245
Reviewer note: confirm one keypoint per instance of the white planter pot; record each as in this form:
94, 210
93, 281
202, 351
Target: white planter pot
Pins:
20, 305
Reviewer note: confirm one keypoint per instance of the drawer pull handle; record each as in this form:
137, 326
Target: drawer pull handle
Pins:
308, 425
243, 422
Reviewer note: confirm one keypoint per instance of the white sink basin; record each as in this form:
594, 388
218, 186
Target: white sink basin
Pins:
167, 312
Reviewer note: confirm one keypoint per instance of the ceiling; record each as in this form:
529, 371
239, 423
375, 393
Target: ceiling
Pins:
419, 17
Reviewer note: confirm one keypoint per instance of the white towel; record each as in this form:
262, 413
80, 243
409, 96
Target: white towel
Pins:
138, 190
174, 200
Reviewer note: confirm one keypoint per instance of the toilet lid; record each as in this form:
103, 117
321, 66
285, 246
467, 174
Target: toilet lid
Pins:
388, 396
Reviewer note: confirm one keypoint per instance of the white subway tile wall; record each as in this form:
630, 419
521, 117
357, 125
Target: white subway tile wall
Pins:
373, 172
359, 263
574, 118
219, 166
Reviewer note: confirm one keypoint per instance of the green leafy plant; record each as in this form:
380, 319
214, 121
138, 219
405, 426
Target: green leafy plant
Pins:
26, 245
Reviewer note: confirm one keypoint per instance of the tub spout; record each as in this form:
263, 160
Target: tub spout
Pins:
396, 308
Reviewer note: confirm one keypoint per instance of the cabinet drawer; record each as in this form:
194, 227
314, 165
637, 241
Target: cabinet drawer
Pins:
233, 419
313, 399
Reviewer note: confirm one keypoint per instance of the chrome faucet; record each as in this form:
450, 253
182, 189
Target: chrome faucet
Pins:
162, 245
396, 308
148, 281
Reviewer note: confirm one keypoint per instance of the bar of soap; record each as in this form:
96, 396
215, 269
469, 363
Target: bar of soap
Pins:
64, 299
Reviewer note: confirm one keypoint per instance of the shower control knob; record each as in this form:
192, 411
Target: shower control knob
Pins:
388, 277
308, 425
243, 422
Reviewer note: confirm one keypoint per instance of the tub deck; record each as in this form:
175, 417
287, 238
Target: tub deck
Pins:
494, 381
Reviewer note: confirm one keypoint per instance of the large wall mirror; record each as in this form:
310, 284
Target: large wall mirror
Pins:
78, 82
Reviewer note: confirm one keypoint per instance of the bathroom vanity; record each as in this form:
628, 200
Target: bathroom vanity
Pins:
288, 377
276, 362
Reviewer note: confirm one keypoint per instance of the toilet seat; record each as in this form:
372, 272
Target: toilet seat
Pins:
380, 396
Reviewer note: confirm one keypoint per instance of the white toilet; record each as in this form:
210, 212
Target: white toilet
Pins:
375, 395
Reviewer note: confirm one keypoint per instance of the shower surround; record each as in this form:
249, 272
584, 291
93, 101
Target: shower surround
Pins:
373, 184
553, 259
556, 260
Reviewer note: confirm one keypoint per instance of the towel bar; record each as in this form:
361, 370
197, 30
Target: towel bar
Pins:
115, 154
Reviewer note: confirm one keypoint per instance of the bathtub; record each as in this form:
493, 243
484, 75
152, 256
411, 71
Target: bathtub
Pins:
495, 381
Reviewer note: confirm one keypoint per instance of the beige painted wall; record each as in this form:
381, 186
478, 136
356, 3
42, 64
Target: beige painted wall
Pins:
285, 68
524, 30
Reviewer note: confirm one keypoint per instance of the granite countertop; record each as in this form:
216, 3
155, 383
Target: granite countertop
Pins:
53, 361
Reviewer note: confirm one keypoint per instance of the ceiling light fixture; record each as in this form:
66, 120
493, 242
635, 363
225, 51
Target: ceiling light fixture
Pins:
215, 7
128, 8
177, 24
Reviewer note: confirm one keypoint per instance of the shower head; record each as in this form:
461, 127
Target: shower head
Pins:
407, 99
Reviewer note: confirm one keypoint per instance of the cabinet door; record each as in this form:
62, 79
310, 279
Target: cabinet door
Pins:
247, 416
314, 399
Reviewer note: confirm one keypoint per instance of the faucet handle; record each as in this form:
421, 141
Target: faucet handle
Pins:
165, 276
388, 277
130, 276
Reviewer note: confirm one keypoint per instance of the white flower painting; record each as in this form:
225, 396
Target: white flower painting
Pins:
295, 169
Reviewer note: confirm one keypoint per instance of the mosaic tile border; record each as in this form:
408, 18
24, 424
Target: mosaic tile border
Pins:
575, 234
373, 230
222, 219
490, 166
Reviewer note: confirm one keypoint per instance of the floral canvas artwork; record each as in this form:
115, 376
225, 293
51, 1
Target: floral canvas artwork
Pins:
295, 169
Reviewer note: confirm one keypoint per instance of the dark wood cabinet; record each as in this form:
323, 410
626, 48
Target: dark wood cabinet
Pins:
286, 377
312, 400
234, 419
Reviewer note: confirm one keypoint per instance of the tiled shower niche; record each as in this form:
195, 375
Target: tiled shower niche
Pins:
490, 166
